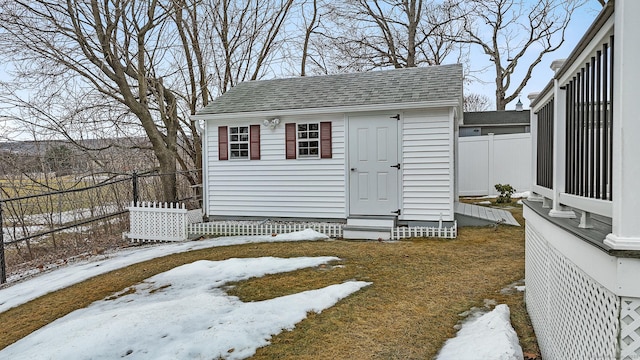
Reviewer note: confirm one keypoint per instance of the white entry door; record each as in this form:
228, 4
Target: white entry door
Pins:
374, 166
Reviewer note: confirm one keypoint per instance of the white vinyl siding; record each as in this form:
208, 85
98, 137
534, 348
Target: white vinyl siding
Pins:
274, 187
427, 139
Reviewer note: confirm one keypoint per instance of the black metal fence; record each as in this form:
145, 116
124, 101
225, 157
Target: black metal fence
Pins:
86, 216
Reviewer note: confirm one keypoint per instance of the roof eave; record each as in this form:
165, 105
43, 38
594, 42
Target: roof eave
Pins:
325, 110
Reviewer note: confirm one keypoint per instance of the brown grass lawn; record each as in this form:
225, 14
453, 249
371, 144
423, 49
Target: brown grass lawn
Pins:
419, 288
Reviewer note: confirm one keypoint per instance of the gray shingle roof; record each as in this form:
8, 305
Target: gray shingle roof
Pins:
426, 84
496, 118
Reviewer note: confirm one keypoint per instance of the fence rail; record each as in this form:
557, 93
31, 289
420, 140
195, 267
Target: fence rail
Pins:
73, 218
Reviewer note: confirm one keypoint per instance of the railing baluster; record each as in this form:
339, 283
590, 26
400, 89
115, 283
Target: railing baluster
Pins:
598, 100
591, 147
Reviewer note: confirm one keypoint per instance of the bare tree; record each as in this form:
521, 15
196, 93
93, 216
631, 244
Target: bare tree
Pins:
476, 102
310, 25
515, 34
389, 33
131, 67
245, 37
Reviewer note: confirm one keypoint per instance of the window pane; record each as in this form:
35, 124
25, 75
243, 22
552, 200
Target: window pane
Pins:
239, 142
308, 148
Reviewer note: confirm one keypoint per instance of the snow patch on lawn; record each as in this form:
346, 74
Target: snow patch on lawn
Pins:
183, 314
22, 292
489, 336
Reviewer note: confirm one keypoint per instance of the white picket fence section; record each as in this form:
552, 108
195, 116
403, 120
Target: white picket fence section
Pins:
425, 231
333, 230
154, 222
484, 161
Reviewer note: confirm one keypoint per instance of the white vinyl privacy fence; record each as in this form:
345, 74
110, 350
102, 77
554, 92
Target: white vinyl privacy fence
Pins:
484, 161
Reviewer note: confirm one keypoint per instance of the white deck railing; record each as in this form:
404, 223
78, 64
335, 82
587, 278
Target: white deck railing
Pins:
581, 136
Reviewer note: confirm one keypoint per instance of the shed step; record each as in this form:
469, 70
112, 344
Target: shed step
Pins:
366, 232
380, 221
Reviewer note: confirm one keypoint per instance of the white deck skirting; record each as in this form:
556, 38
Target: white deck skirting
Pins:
486, 213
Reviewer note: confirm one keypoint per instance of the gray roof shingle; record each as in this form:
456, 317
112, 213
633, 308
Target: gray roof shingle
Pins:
496, 117
426, 84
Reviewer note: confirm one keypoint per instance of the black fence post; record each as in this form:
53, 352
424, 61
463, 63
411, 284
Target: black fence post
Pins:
3, 266
134, 179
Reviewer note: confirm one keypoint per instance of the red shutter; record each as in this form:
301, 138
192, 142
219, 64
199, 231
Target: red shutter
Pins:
290, 140
254, 142
223, 143
325, 140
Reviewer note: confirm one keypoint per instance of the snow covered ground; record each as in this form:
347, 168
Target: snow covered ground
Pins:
185, 314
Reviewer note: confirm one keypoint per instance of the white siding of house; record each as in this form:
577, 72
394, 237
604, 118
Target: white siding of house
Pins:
427, 139
274, 187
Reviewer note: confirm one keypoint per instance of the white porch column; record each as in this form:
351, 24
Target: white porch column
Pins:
533, 130
626, 128
559, 160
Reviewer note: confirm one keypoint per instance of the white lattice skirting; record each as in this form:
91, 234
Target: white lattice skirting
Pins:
153, 222
630, 329
233, 229
574, 317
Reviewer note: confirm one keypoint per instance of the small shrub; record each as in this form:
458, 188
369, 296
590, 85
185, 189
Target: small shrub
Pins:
505, 191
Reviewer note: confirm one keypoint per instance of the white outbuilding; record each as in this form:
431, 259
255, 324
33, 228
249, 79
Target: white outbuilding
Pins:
368, 149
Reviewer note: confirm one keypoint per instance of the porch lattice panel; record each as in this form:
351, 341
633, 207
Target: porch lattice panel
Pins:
574, 317
630, 329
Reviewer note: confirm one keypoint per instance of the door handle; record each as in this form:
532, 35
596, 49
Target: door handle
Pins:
354, 169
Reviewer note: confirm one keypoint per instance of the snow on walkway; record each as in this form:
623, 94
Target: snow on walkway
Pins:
60, 278
183, 314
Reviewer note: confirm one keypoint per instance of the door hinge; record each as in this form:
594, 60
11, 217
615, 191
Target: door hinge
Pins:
397, 117
397, 166
397, 212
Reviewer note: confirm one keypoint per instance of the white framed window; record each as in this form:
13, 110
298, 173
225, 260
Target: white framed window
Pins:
308, 137
238, 142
